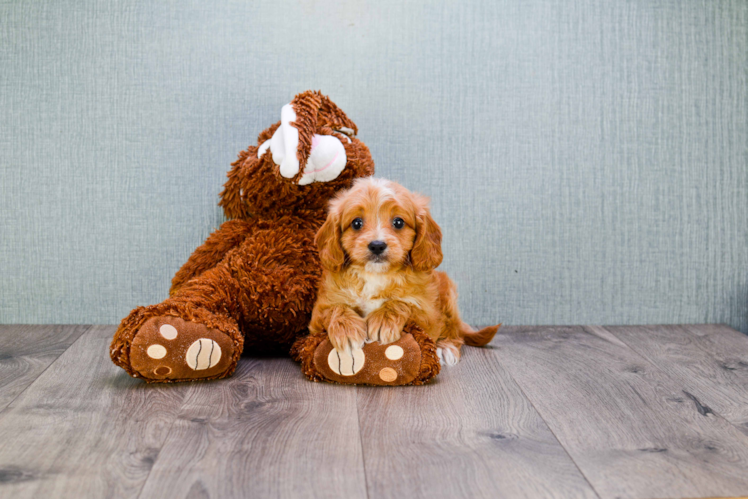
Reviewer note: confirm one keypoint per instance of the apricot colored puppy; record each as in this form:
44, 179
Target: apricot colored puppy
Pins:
379, 248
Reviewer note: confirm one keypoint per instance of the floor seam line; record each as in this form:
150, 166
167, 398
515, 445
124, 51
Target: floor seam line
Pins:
166, 439
548, 426
361, 442
89, 328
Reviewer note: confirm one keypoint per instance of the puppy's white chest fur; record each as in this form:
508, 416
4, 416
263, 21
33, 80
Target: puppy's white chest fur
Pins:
369, 299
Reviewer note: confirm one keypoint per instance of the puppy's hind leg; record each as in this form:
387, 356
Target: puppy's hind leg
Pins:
448, 352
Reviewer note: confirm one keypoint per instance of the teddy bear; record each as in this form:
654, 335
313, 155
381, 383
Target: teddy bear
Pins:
250, 288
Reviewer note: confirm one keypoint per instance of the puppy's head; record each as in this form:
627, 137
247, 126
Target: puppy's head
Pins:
379, 226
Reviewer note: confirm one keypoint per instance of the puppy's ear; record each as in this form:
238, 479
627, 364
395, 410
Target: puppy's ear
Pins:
426, 253
330, 248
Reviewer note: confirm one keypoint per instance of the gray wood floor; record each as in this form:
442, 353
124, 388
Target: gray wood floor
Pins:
572, 411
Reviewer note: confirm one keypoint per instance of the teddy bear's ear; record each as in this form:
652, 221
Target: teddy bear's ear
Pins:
330, 115
301, 153
231, 196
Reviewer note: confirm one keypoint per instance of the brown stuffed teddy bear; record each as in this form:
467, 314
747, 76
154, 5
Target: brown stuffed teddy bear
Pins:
251, 286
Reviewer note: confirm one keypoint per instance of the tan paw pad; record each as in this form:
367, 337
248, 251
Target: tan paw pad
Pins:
202, 354
394, 352
346, 363
168, 332
156, 351
388, 374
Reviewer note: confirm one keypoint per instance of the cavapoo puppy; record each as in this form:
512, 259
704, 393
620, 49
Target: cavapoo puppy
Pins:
379, 248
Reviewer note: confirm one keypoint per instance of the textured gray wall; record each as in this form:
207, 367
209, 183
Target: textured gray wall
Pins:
587, 160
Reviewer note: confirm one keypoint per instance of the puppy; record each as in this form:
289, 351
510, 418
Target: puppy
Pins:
379, 247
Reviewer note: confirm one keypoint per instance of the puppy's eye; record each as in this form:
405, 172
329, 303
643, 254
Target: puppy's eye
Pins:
357, 223
398, 223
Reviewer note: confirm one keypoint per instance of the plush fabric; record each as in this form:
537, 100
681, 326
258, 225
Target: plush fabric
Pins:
251, 286
412, 360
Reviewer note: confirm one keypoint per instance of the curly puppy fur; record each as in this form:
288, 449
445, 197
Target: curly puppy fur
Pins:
255, 278
380, 247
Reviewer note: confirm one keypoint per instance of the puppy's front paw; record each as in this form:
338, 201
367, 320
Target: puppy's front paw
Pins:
346, 334
383, 328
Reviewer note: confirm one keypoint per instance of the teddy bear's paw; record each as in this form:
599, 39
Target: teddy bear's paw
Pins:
373, 364
168, 349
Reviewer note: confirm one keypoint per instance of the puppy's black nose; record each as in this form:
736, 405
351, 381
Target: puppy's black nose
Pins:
377, 247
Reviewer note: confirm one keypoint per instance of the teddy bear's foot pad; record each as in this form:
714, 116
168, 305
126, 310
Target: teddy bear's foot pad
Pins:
168, 348
397, 363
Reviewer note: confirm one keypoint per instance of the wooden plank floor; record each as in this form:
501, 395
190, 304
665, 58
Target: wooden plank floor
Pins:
651, 411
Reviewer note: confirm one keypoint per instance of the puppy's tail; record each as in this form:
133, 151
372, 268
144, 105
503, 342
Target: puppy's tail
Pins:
480, 337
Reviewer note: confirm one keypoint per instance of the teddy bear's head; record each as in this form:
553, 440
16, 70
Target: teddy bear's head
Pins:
300, 162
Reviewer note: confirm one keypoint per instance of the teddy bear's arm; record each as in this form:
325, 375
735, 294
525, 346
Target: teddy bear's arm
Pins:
210, 253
